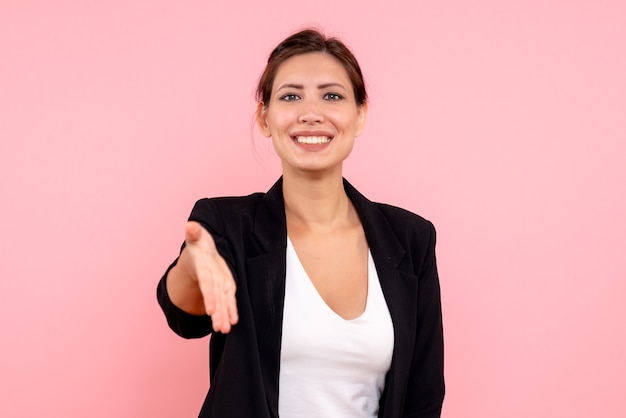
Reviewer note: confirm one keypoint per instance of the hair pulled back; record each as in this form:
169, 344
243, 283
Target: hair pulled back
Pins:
304, 42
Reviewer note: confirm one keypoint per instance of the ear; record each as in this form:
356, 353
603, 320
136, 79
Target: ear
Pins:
361, 118
261, 119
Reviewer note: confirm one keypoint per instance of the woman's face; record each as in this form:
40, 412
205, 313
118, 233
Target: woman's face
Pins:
312, 116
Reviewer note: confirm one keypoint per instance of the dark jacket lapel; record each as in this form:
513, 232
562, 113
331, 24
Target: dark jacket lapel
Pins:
400, 290
266, 283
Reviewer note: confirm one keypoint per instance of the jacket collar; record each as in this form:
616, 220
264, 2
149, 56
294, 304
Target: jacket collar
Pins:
270, 224
270, 227
380, 237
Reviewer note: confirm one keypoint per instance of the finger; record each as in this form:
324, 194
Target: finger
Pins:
220, 316
208, 294
227, 296
226, 310
230, 301
231, 304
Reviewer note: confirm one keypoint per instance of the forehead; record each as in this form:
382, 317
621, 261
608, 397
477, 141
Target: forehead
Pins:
311, 67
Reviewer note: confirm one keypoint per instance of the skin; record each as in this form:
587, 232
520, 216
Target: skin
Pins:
312, 96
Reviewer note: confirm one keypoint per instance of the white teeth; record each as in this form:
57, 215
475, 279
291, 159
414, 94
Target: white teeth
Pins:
312, 139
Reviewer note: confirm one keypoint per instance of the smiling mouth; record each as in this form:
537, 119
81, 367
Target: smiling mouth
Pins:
312, 139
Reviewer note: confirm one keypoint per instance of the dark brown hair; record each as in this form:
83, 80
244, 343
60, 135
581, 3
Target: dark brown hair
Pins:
304, 42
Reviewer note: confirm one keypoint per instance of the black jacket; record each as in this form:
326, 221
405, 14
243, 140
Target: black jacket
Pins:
251, 234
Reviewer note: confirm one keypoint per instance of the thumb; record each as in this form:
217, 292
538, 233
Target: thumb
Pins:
193, 232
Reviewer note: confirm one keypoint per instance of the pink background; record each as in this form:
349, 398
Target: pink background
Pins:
502, 122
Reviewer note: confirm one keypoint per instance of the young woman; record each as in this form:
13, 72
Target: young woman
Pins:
320, 302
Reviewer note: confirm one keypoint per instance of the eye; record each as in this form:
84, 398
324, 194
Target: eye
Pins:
290, 97
333, 97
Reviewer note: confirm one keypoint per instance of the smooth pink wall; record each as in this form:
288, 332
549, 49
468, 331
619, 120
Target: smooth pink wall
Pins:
503, 122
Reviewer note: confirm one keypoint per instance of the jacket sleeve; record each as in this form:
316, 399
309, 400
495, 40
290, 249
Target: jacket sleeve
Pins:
182, 323
426, 387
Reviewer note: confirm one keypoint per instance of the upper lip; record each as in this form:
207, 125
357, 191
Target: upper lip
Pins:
311, 133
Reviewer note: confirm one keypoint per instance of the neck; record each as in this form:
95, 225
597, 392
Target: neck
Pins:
316, 202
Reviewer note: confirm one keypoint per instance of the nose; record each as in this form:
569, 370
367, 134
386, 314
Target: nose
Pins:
310, 113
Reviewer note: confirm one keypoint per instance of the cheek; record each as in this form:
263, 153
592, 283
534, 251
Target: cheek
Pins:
343, 120
280, 120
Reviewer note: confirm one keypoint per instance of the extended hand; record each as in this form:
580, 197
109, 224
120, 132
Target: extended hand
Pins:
206, 266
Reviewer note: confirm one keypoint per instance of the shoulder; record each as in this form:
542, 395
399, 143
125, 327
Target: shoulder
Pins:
381, 220
218, 212
402, 218
228, 204
235, 207
412, 230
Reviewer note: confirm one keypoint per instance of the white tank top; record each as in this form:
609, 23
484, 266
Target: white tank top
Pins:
330, 366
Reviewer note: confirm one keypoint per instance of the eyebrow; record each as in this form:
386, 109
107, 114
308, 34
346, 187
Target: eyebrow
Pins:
301, 87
